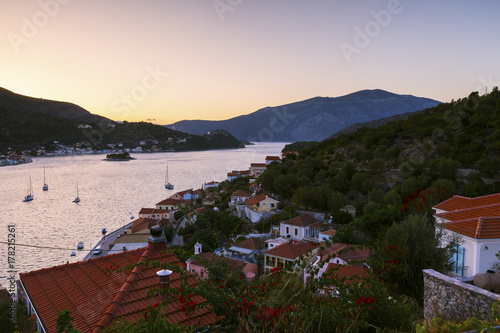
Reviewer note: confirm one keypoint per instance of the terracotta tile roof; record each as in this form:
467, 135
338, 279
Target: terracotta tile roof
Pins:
169, 202
458, 202
302, 220
478, 228
330, 232
291, 250
143, 223
470, 213
95, 296
235, 173
182, 193
240, 193
258, 198
347, 252
251, 243
273, 158
146, 211
337, 271
257, 165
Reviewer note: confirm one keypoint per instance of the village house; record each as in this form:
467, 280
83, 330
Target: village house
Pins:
270, 159
199, 264
327, 234
304, 226
472, 224
239, 196
256, 169
134, 237
235, 174
186, 195
97, 295
339, 254
169, 204
248, 248
285, 254
349, 274
210, 184
154, 213
263, 203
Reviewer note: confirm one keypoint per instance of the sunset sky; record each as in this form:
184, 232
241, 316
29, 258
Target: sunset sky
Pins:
165, 61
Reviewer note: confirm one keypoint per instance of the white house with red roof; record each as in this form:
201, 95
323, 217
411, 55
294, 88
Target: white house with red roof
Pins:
270, 159
239, 196
210, 184
235, 174
256, 169
476, 224
339, 254
154, 213
304, 226
285, 254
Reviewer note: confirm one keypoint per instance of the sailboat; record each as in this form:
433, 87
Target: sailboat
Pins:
45, 186
29, 196
77, 200
167, 184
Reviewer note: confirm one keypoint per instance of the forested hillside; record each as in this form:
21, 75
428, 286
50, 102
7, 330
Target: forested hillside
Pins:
405, 165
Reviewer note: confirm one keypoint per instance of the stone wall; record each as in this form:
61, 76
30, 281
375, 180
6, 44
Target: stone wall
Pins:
455, 299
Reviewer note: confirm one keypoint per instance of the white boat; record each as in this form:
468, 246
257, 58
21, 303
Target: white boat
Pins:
77, 200
45, 186
80, 246
167, 184
104, 231
73, 253
29, 196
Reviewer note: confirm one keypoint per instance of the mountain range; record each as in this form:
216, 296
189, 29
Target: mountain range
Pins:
313, 119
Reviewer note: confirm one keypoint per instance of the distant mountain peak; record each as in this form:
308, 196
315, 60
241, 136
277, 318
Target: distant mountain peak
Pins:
313, 119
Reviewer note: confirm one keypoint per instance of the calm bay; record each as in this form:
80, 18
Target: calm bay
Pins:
110, 192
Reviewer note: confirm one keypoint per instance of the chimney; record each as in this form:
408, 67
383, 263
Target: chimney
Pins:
188, 264
157, 242
197, 248
164, 275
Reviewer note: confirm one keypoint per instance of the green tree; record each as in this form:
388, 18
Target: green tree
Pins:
376, 165
407, 248
336, 200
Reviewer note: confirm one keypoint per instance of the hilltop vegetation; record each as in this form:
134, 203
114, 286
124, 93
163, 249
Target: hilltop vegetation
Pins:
23, 129
405, 165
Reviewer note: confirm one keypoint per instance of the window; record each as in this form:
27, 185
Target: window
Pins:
457, 258
296, 231
287, 230
272, 205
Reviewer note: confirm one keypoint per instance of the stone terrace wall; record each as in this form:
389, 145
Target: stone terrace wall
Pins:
454, 299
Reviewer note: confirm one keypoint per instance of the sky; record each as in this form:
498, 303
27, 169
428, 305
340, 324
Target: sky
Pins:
168, 60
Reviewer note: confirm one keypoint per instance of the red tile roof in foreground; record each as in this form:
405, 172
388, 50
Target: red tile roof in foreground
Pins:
458, 202
478, 228
291, 250
258, 198
96, 296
